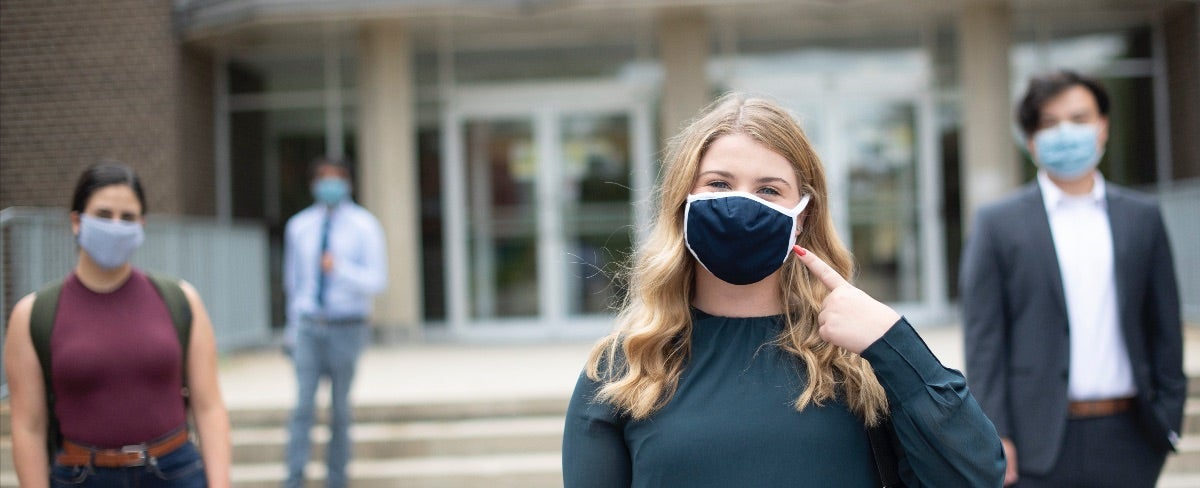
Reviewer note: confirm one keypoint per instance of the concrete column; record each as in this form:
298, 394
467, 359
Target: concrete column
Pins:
683, 42
388, 170
990, 166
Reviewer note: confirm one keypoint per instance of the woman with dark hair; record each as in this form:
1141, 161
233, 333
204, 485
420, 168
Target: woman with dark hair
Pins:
123, 383
734, 363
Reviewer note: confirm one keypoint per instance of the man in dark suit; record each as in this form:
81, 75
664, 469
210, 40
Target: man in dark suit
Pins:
1070, 308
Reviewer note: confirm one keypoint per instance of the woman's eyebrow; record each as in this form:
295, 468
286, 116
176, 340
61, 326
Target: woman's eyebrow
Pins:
723, 174
774, 179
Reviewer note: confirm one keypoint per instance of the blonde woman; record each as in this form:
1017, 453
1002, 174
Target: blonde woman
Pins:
735, 364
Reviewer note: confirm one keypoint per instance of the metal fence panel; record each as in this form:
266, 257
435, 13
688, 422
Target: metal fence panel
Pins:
227, 264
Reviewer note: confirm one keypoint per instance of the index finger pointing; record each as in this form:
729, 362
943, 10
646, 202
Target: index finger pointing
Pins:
826, 274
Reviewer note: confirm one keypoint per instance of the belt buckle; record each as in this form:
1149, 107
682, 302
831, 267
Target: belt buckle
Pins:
139, 449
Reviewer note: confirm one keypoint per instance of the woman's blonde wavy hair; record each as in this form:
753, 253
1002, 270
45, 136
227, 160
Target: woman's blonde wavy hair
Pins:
640, 362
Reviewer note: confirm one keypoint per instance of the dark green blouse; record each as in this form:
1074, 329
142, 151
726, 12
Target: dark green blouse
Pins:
732, 422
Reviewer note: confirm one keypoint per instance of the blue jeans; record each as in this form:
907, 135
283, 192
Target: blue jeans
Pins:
331, 351
181, 468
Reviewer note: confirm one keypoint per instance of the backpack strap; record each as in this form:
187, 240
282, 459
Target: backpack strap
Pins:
886, 462
181, 317
41, 323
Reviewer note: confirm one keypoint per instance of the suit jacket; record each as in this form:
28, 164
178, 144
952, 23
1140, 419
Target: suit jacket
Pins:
1016, 329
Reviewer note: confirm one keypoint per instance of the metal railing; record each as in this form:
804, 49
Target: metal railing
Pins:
227, 264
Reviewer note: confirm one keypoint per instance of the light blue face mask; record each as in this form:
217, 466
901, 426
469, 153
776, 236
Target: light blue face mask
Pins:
1068, 150
331, 190
110, 243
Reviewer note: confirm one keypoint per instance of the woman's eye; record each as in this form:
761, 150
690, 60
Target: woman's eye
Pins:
129, 217
768, 191
718, 184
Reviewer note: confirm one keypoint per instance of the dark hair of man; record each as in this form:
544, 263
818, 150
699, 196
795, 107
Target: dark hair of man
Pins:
102, 174
337, 162
1042, 88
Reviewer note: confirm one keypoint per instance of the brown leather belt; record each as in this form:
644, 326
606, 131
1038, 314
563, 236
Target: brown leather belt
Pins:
1099, 408
74, 454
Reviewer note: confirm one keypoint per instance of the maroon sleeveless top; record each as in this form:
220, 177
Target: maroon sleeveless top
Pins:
116, 364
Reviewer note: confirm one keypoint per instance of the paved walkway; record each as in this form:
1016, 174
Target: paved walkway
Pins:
419, 373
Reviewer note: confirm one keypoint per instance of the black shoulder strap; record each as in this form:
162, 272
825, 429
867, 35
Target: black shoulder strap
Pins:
41, 323
181, 316
886, 462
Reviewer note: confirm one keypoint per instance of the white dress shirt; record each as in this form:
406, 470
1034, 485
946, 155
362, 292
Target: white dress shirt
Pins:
359, 262
1082, 234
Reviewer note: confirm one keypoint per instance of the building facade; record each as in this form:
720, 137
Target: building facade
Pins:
510, 147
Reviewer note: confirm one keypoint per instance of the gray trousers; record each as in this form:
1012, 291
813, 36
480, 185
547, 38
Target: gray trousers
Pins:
323, 351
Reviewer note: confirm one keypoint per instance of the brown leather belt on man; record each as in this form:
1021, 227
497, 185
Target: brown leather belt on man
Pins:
75, 454
1099, 408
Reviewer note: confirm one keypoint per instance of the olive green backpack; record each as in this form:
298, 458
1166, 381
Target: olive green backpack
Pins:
41, 323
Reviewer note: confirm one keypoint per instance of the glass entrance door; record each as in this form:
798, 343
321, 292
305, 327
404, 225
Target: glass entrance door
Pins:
880, 163
597, 214
878, 152
540, 214
502, 217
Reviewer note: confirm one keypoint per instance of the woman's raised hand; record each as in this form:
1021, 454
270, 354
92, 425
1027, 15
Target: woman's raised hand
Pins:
849, 317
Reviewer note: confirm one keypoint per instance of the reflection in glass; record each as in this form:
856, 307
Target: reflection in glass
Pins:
502, 170
596, 209
884, 230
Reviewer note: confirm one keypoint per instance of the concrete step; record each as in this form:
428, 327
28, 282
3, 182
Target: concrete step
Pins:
472, 443
1193, 385
468, 437
446, 444
1186, 458
1179, 480
532, 470
266, 416
1191, 417
273, 416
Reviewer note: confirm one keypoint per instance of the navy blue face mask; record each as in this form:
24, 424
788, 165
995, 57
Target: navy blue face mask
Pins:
738, 237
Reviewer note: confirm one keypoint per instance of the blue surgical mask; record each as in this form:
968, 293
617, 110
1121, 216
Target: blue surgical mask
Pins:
738, 237
1068, 150
330, 190
110, 243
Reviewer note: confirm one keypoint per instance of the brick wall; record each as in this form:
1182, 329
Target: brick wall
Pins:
197, 169
83, 80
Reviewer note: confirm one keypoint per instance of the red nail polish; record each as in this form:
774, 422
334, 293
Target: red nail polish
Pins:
800, 251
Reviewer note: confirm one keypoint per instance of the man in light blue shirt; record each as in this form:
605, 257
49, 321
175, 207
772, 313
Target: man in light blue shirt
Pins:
334, 264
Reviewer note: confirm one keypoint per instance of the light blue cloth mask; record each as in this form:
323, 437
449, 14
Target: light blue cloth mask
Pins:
1068, 150
110, 243
330, 191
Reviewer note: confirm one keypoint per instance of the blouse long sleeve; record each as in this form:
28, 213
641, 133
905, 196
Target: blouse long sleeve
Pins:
594, 454
944, 435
